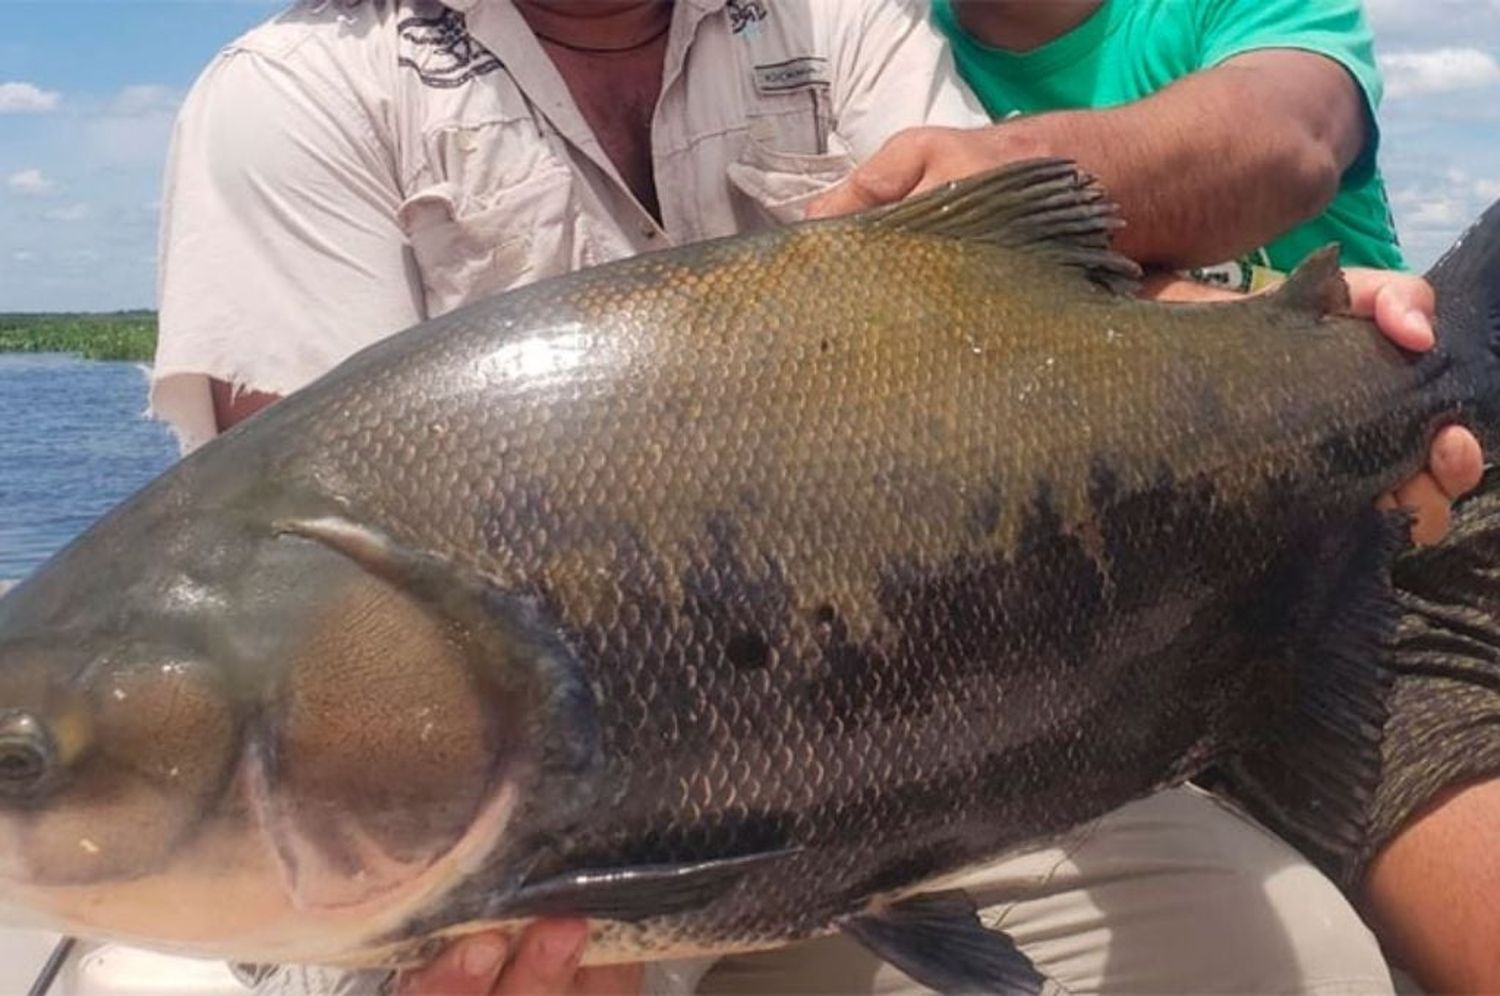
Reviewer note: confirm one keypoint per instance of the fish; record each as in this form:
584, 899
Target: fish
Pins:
733, 595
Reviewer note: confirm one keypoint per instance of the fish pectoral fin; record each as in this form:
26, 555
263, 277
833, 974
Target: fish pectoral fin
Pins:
1046, 207
937, 939
636, 893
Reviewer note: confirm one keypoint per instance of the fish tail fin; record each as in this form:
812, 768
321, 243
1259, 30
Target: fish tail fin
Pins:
1467, 281
1312, 771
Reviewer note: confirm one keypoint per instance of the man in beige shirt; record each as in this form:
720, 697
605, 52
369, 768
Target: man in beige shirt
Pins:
350, 169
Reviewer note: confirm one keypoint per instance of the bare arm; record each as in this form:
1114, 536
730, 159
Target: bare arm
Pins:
1217, 164
1433, 893
232, 407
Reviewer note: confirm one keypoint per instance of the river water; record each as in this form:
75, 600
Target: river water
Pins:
73, 442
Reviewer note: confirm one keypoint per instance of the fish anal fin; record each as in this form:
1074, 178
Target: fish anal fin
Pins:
1317, 286
1313, 771
938, 940
635, 893
1046, 207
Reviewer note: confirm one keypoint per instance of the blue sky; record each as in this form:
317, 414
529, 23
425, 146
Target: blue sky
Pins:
87, 95
88, 90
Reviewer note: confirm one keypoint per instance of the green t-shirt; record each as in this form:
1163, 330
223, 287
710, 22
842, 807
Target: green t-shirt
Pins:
1129, 49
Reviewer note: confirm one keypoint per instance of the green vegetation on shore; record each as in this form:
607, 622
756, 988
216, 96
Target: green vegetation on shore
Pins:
119, 335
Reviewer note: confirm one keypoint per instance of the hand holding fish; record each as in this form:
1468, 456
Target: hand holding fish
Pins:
543, 960
1402, 306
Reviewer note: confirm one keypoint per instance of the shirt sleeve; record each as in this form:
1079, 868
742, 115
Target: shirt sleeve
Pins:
280, 252
892, 70
1336, 29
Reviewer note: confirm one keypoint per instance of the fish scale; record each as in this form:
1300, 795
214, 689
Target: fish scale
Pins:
760, 583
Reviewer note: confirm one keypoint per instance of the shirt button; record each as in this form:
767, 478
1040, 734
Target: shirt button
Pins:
648, 231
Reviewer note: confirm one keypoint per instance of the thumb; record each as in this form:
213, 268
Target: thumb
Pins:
890, 174
468, 967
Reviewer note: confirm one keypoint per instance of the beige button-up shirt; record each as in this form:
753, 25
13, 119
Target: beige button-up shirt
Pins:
349, 169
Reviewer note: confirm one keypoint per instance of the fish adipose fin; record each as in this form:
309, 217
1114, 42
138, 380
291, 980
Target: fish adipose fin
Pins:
631, 894
1316, 286
937, 939
1313, 771
1043, 206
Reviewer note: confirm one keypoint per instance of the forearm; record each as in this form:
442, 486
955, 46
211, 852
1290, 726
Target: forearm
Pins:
1431, 893
1216, 165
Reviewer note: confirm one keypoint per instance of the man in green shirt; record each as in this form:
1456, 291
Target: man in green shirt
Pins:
1123, 52
1237, 136
1223, 128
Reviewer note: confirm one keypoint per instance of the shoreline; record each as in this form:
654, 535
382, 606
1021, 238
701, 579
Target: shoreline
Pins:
122, 335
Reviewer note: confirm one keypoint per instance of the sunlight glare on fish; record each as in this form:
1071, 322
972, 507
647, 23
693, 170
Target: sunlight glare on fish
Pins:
536, 358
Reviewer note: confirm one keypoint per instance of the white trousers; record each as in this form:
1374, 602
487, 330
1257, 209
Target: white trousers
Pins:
1177, 893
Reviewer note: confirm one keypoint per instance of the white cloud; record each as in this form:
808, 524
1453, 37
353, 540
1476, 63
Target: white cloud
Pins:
1438, 70
73, 212
143, 98
30, 183
1437, 212
23, 255
1422, 20
1488, 190
129, 139
27, 98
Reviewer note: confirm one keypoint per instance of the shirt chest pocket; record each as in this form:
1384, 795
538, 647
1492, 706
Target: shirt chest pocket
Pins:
790, 153
491, 205
781, 184
523, 233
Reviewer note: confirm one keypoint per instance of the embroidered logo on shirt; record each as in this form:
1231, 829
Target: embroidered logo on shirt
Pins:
793, 74
442, 53
744, 13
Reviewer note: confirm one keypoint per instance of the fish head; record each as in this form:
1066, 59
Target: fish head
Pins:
223, 738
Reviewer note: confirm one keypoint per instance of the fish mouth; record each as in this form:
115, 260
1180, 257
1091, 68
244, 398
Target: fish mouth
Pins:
234, 891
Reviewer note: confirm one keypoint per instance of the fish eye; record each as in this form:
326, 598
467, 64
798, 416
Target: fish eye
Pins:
27, 753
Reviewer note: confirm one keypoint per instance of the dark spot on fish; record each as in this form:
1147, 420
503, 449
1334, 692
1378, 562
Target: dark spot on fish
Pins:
1211, 414
987, 509
823, 346
1015, 610
747, 651
1182, 510
1003, 613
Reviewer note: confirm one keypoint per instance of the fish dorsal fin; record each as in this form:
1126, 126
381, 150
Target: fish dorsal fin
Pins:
1316, 286
1042, 206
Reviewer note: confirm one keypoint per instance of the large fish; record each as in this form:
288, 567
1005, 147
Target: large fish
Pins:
732, 595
